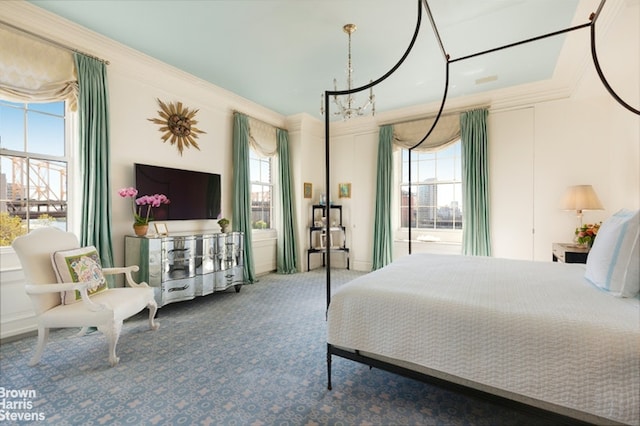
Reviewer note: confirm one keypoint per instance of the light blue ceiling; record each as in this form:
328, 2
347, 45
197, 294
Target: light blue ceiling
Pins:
283, 54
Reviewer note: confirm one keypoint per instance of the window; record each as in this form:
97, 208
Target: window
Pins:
261, 191
33, 168
436, 189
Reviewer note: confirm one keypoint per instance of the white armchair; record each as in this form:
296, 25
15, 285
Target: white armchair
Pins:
105, 310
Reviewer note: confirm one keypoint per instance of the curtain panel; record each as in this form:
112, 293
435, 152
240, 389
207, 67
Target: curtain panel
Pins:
476, 236
241, 216
93, 125
287, 248
34, 71
382, 230
269, 141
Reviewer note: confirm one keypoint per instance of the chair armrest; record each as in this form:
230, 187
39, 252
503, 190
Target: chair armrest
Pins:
126, 270
82, 287
54, 288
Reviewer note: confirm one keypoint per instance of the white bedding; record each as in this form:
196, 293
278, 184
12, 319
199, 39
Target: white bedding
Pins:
536, 329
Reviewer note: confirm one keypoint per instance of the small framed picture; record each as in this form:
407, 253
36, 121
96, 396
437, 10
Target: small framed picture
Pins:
344, 190
161, 228
308, 189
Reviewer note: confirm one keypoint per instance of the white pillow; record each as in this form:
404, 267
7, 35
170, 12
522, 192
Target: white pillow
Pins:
613, 263
78, 265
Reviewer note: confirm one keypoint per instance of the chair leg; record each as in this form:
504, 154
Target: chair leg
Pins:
112, 333
43, 336
153, 308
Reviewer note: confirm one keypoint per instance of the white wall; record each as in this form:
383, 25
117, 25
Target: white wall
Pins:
543, 138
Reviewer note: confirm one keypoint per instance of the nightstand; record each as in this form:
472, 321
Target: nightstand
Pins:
569, 253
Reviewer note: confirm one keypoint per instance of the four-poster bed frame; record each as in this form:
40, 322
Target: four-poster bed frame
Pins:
352, 353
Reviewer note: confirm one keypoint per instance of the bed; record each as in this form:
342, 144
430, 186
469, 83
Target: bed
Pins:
561, 337
538, 333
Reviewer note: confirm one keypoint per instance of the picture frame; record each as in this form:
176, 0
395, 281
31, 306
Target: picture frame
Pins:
322, 238
344, 190
161, 228
308, 190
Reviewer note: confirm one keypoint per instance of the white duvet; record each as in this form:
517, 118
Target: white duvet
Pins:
536, 329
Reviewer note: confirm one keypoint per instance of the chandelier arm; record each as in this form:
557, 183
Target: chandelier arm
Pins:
349, 74
393, 69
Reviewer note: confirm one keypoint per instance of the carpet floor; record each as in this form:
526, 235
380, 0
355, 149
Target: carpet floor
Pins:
257, 357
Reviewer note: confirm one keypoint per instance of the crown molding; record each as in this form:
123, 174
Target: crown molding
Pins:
41, 22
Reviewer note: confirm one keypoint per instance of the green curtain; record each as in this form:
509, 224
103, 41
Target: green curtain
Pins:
287, 246
241, 218
476, 237
93, 124
382, 235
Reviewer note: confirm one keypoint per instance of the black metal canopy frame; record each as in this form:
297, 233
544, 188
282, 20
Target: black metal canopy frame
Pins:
355, 355
447, 59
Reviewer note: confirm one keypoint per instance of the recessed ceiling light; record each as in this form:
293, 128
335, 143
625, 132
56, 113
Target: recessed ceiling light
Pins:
486, 79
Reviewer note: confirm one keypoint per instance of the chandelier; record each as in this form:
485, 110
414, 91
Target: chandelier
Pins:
345, 103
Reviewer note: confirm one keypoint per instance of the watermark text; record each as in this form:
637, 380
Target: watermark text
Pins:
17, 405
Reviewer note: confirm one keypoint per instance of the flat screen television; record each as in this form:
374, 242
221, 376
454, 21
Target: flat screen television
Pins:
192, 194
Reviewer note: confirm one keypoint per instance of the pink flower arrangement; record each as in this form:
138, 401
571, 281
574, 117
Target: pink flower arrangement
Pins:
145, 202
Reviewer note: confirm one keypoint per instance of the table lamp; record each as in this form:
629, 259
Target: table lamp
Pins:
579, 198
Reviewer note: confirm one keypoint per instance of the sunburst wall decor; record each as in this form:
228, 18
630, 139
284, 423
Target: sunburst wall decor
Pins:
178, 125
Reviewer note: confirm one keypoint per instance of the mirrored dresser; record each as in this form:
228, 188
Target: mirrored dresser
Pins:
184, 266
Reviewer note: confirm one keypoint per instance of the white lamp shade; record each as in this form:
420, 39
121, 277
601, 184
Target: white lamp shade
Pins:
581, 197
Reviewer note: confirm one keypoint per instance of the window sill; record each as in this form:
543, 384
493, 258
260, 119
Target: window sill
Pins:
431, 236
264, 234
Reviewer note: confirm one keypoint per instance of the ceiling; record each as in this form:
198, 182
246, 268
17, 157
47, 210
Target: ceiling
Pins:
283, 54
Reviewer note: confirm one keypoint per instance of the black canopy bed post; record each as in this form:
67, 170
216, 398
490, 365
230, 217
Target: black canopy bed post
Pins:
444, 98
409, 199
328, 93
327, 129
435, 122
327, 198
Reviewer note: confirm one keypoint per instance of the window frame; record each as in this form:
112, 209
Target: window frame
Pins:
253, 155
69, 120
438, 235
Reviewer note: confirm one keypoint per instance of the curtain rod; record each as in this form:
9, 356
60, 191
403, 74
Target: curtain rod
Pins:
52, 42
261, 121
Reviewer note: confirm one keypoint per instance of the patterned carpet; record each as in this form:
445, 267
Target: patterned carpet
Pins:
257, 357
